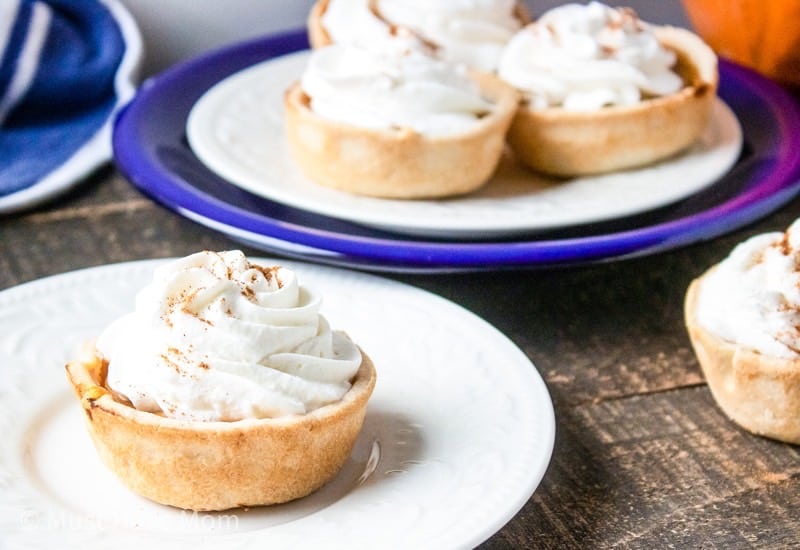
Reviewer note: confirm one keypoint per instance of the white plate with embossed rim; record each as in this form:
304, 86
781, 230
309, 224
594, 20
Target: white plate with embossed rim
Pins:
236, 129
458, 433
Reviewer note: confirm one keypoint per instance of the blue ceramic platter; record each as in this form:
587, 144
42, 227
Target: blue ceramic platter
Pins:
151, 150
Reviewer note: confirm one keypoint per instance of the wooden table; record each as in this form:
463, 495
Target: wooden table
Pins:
643, 457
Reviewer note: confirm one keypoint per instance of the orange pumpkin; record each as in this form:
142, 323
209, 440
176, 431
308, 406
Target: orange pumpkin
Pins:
761, 34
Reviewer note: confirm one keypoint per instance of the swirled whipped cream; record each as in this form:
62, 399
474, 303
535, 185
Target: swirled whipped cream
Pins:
472, 32
214, 337
392, 87
752, 297
585, 57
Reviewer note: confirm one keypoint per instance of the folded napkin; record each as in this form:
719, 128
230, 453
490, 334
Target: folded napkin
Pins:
66, 66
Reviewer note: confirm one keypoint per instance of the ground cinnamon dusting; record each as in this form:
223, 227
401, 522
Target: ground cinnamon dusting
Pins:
794, 349
167, 359
248, 293
402, 31
784, 245
186, 301
269, 273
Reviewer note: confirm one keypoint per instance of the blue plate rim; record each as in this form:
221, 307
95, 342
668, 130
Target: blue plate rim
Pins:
137, 160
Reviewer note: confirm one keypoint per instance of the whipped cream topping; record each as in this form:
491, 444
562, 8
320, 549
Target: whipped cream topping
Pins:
472, 32
397, 86
752, 297
586, 57
215, 337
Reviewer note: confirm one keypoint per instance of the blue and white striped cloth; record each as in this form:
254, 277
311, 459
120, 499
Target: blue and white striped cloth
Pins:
59, 82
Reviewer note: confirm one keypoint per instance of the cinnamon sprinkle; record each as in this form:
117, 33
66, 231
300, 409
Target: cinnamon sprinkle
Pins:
783, 246
175, 366
186, 303
401, 31
269, 273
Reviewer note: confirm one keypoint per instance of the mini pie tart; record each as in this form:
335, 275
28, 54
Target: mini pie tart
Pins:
399, 163
208, 466
567, 143
761, 393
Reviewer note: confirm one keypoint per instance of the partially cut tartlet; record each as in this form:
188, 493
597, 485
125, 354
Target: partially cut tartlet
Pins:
639, 94
396, 124
225, 388
742, 318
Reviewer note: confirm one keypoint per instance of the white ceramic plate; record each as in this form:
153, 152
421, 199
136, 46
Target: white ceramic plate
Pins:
457, 436
236, 129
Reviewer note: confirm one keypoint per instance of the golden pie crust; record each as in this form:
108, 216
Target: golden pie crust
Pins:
399, 163
207, 466
760, 393
567, 144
